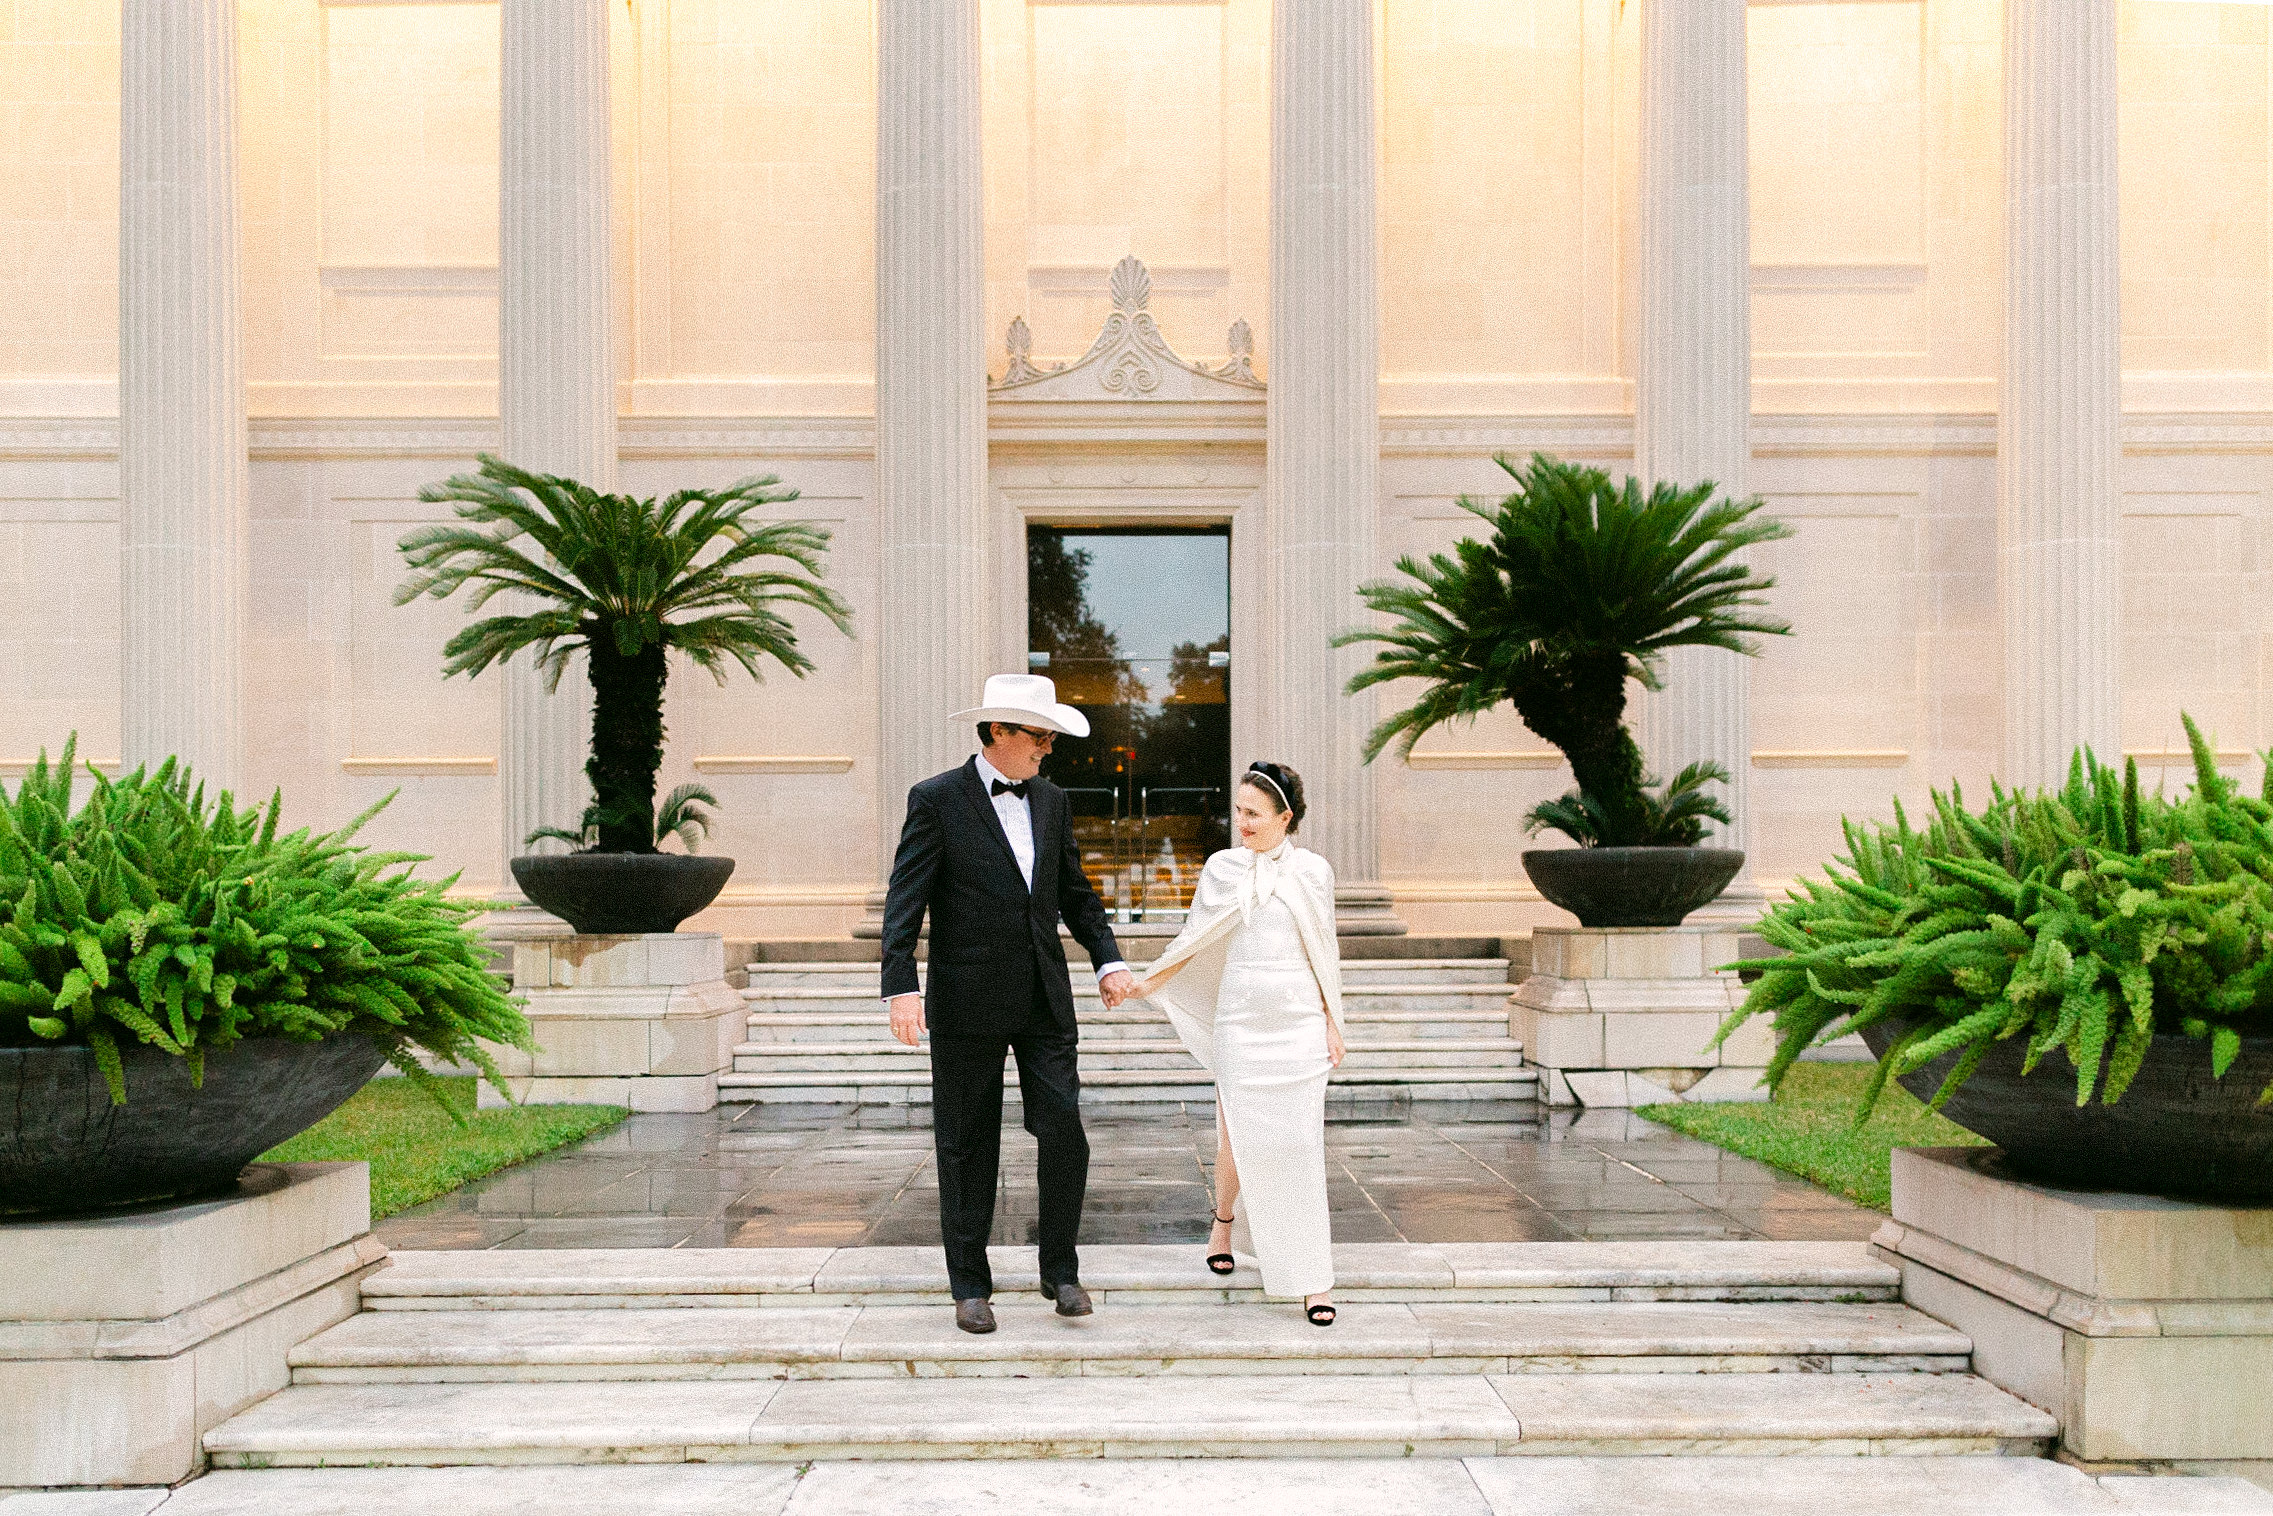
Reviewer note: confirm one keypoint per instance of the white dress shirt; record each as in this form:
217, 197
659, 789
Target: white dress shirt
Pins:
1017, 817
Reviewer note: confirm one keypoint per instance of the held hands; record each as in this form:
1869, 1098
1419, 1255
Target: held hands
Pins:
1116, 988
907, 1018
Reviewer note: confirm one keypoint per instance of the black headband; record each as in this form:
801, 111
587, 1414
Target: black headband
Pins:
1256, 771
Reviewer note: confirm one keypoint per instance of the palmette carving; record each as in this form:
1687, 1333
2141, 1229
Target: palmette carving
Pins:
1130, 360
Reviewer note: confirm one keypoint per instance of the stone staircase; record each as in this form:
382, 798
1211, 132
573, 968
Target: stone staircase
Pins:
1453, 1351
1419, 1028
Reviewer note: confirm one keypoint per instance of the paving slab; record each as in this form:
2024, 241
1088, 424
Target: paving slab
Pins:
747, 1176
2177, 1497
1279, 1417
591, 1271
82, 1502
1794, 1486
703, 1342
485, 1423
525, 1490
1122, 1487
1675, 1329
1624, 1413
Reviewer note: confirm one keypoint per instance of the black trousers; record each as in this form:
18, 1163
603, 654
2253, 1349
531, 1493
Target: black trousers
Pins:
966, 1127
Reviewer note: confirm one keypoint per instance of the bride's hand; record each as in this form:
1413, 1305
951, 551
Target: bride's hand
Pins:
1334, 1049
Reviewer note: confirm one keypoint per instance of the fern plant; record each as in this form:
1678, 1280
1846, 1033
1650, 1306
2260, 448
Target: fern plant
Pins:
2087, 920
624, 581
150, 914
1582, 585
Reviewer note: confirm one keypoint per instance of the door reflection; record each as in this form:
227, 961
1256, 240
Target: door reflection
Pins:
1134, 625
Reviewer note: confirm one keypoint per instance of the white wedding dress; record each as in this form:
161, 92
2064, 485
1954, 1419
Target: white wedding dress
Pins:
1249, 985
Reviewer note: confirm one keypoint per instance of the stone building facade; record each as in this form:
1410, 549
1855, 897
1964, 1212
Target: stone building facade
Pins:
1996, 280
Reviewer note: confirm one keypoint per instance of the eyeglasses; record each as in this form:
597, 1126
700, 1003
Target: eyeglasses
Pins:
1042, 737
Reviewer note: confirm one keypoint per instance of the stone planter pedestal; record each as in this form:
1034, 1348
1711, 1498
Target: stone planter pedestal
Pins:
2144, 1325
125, 1337
647, 1022
1621, 1016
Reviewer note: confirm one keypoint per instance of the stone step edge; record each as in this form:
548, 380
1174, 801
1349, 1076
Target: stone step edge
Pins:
874, 1337
1312, 1416
1104, 1078
874, 1016
1350, 991
1361, 965
1426, 1270
1145, 1046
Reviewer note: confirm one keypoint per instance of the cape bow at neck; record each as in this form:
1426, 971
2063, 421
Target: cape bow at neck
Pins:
1259, 877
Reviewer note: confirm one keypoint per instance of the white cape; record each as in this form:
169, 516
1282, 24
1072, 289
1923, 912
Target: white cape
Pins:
1185, 980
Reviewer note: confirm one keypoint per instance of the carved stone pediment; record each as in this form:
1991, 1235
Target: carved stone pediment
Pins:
1130, 360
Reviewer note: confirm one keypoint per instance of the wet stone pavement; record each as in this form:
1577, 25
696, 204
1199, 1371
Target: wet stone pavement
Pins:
844, 1176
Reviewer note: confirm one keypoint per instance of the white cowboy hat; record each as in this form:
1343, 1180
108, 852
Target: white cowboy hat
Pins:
1026, 700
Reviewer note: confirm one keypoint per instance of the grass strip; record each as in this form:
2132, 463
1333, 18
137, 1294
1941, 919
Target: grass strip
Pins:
417, 1152
1809, 1129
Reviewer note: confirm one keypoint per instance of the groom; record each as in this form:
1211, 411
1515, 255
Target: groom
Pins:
988, 850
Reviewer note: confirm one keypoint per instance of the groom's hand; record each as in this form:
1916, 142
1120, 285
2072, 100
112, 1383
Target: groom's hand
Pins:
907, 1018
1116, 987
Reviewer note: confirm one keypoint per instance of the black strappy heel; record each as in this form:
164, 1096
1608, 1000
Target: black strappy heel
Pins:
1321, 1314
1222, 1263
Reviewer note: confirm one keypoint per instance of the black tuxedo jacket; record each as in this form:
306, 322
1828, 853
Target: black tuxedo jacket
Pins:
991, 939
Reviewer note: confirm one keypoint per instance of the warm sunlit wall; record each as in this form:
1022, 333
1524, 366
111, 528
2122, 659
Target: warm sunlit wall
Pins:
744, 193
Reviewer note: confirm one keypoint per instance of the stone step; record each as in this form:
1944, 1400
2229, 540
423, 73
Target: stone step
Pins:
1388, 996
1444, 1416
1125, 1274
1128, 1086
1433, 971
1118, 1054
867, 1022
1372, 1337
1571, 1485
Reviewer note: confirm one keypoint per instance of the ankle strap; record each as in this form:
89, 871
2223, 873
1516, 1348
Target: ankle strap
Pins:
1226, 1220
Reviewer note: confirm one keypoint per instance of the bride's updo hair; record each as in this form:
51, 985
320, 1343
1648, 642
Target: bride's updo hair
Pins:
1281, 783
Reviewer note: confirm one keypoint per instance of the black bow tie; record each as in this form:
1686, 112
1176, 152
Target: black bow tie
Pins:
1002, 786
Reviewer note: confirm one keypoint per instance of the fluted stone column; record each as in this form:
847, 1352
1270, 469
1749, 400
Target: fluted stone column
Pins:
1693, 396
556, 348
1322, 465
181, 388
2058, 443
931, 400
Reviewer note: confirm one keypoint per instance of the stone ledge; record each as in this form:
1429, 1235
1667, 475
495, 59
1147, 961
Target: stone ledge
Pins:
181, 1256
103, 1387
176, 1334
2106, 1247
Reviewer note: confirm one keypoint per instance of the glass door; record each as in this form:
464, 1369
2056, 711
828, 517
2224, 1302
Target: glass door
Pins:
1134, 625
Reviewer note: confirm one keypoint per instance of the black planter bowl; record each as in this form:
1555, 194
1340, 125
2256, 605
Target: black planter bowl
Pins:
64, 1147
2176, 1131
1632, 886
622, 894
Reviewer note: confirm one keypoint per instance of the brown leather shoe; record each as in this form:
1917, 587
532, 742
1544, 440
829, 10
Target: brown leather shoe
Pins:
1072, 1300
974, 1315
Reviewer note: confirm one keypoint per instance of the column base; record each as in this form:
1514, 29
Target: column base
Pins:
1624, 1016
124, 1339
644, 1021
2144, 1325
1366, 910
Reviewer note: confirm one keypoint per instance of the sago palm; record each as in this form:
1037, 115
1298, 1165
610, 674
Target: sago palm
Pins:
624, 581
1582, 585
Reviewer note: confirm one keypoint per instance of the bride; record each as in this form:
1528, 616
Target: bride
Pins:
1253, 985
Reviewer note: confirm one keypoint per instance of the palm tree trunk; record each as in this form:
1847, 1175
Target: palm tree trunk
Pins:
627, 741
1579, 705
